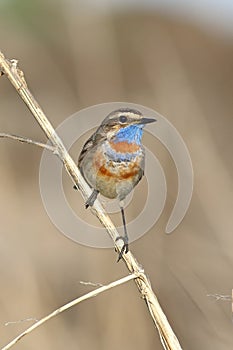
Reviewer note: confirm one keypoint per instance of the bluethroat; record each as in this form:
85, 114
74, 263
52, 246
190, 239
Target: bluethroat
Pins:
112, 160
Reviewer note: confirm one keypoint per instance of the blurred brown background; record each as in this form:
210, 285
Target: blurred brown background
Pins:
76, 55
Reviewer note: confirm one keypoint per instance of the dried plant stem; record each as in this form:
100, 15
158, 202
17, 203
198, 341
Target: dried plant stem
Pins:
29, 141
69, 305
220, 297
16, 77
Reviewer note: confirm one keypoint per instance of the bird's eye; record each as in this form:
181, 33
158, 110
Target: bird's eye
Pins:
122, 118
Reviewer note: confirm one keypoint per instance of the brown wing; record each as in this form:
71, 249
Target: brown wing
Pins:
98, 137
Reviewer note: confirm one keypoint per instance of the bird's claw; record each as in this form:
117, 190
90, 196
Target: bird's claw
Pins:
76, 187
125, 248
90, 201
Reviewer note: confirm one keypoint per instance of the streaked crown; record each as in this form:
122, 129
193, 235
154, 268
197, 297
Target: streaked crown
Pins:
125, 116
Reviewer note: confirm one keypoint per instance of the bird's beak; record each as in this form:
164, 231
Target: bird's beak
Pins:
146, 120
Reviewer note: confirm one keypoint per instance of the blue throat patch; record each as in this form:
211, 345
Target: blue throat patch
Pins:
130, 134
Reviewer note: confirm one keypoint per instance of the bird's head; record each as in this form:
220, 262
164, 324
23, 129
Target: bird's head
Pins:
125, 124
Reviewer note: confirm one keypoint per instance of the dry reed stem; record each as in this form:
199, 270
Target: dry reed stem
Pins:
16, 77
29, 141
67, 306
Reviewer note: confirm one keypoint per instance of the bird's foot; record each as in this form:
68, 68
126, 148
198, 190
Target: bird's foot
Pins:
91, 200
125, 248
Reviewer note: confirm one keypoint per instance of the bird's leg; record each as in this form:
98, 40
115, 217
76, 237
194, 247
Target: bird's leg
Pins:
125, 238
91, 200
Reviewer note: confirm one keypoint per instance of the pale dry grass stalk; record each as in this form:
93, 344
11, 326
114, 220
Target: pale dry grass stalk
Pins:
26, 140
69, 305
16, 77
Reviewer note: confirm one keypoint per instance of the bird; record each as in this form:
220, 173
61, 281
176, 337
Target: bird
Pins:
112, 161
